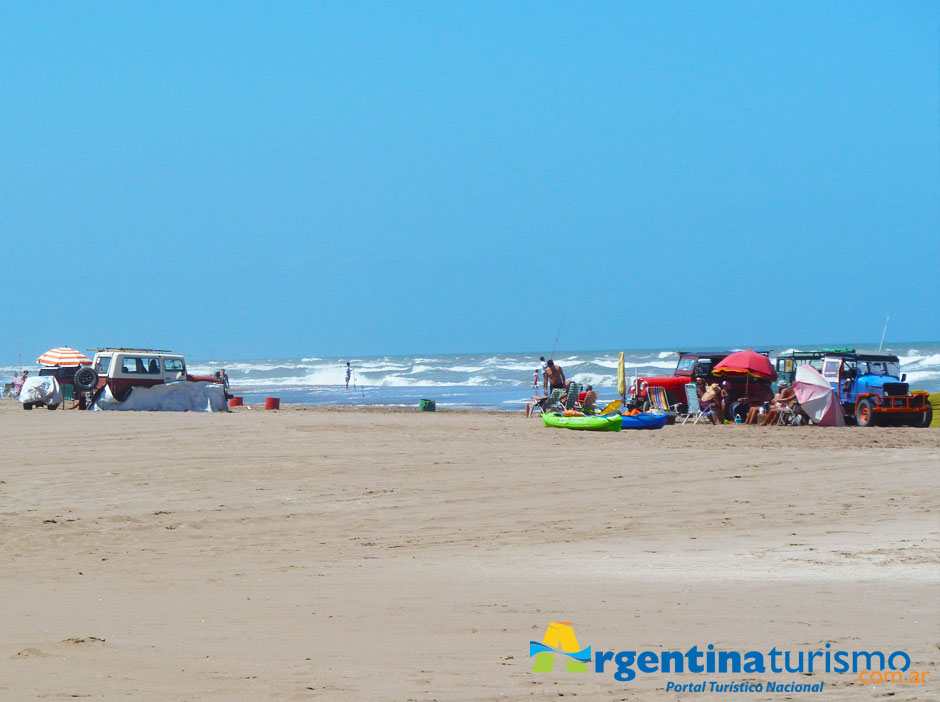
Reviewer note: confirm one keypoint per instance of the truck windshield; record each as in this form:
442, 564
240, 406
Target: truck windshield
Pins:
879, 368
686, 364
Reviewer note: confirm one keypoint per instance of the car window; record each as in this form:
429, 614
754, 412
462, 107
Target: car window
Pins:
151, 365
103, 364
172, 365
686, 363
131, 364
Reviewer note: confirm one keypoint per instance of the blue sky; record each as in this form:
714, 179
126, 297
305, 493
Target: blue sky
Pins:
240, 180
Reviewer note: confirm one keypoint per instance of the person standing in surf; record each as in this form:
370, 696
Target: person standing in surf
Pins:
348, 374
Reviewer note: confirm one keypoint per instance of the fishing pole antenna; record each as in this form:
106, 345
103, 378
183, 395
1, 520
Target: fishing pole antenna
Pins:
552, 354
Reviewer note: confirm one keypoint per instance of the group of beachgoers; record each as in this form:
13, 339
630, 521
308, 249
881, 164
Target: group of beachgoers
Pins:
553, 379
721, 403
759, 405
13, 388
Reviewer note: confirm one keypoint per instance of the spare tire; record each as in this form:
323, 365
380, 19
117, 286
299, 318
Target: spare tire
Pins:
86, 379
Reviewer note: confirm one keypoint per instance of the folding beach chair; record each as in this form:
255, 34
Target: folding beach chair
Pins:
792, 415
571, 401
550, 403
659, 400
611, 406
694, 408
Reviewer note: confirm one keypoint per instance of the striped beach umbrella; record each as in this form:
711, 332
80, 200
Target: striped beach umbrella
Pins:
63, 356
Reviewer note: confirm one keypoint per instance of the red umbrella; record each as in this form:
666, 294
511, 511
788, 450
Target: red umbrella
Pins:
746, 363
63, 356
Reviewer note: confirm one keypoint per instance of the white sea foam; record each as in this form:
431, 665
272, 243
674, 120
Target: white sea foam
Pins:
506, 366
922, 376
919, 360
606, 364
657, 364
595, 379
402, 381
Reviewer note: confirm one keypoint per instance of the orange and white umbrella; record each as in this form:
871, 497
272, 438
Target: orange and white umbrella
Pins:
63, 356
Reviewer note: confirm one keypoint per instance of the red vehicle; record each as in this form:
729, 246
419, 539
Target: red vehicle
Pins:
692, 365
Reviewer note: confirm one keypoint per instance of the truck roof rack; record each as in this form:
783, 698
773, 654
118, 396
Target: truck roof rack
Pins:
122, 348
762, 352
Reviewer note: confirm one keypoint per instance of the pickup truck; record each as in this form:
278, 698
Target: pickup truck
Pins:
121, 369
870, 386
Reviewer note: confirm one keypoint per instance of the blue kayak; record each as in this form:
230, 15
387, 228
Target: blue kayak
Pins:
647, 420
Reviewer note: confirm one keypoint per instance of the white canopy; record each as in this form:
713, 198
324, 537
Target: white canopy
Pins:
184, 396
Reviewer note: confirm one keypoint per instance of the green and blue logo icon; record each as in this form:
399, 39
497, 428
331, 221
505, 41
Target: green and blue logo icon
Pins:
559, 640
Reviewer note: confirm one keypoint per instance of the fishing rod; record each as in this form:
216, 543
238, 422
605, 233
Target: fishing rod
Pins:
552, 354
885, 331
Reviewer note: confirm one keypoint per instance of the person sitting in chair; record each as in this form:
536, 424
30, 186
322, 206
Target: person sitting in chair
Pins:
588, 399
542, 403
749, 407
783, 400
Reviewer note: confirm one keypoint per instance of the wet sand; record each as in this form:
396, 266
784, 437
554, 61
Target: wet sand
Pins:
337, 554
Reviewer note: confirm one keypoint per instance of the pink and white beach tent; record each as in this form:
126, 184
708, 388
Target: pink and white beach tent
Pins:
817, 398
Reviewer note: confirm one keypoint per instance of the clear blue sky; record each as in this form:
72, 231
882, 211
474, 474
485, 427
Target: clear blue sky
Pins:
241, 180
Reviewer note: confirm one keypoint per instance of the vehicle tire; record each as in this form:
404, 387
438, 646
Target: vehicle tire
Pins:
865, 414
27, 405
86, 379
52, 407
923, 419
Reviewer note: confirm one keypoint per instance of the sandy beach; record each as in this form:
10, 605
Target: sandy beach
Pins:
345, 554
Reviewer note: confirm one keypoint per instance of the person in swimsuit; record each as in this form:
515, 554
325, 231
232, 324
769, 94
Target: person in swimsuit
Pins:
555, 376
783, 400
348, 374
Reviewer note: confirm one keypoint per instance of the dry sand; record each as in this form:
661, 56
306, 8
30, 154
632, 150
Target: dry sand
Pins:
378, 555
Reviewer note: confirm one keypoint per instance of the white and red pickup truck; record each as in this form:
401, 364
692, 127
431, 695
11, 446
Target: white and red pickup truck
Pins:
121, 369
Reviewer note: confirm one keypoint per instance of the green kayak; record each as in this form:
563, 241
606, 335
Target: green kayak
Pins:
600, 423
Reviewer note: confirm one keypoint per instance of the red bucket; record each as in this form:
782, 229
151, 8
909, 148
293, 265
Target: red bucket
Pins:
236, 402
272, 403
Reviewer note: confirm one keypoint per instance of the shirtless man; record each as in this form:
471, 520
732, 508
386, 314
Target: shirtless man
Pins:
554, 377
782, 400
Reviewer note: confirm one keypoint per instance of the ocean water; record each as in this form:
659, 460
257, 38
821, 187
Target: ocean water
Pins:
501, 381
